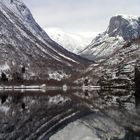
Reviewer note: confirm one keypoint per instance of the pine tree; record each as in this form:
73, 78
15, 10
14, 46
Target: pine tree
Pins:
3, 77
23, 69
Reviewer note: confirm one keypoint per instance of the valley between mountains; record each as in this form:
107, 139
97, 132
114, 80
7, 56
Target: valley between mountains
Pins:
57, 85
25, 44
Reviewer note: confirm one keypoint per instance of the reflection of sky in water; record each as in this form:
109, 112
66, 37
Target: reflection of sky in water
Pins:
75, 131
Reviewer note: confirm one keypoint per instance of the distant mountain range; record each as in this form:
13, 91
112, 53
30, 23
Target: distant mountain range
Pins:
73, 42
24, 42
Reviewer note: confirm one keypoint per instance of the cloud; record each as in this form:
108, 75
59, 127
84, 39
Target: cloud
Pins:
81, 15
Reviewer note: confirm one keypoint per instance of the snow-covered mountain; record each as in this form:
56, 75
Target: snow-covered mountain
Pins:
116, 52
119, 69
121, 29
24, 42
73, 42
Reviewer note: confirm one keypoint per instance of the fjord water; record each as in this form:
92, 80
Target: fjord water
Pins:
71, 115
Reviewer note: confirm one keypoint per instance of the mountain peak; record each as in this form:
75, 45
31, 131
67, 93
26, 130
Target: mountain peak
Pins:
124, 26
11, 1
18, 8
121, 29
127, 17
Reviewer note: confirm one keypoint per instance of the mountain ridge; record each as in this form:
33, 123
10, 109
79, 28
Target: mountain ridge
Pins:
121, 29
24, 42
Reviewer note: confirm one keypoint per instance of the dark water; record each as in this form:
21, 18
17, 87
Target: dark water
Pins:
108, 115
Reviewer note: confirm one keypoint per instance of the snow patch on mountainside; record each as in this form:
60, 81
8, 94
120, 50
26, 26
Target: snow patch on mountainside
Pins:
4, 67
56, 75
73, 42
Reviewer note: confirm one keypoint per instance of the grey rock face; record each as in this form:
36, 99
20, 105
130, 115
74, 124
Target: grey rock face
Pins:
127, 27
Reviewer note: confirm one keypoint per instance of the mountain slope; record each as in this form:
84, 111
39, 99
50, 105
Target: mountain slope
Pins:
119, 69
23, 42
73, 42
121, 29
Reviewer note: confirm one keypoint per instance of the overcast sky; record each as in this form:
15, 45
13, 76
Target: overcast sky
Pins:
80, 15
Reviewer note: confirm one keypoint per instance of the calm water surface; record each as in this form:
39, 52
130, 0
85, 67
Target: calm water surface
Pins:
71, 115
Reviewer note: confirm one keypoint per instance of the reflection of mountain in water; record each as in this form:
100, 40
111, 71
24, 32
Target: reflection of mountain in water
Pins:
110, 121
32, 116
104, 115
94, 127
